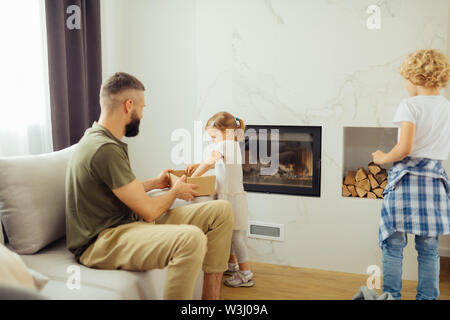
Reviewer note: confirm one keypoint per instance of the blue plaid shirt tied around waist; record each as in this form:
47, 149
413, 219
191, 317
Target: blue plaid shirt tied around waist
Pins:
416, 199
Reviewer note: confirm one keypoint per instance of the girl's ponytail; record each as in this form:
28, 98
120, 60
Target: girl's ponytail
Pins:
239, 131
241, 123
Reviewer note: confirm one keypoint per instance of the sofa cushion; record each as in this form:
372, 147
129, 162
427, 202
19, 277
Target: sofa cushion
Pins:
55, 260
13, 292
57, 290
32, 199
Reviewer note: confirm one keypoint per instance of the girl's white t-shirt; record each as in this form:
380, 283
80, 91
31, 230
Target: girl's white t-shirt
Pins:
229, 169
229, 181
431, 115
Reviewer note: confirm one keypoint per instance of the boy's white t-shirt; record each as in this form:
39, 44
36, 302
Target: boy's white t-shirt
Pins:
431, 115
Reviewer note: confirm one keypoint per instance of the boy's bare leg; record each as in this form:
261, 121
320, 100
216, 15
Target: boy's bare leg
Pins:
212, 283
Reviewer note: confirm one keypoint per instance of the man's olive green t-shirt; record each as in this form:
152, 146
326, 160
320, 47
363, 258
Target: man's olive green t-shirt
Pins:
98, 165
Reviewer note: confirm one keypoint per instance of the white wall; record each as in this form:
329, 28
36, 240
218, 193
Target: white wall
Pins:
276, 62
155, 41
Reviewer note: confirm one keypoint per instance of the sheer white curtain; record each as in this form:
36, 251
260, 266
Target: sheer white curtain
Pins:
25, 125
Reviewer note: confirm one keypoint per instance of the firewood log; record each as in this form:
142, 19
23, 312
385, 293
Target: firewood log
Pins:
361, 192
352, 190
378, 192
364, 184
384, 184
350, 178
361, 174
345, 191
371, 195
373, 182
374, 168
381, 176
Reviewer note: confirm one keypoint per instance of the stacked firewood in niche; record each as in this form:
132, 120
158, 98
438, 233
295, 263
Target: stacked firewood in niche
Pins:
365, 184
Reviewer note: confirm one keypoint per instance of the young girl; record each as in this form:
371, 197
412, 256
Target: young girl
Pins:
416, 199
224, 130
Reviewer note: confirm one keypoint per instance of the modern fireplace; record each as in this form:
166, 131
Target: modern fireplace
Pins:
282, 159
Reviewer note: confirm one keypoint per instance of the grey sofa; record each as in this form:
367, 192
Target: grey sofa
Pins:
54, 260
34, 225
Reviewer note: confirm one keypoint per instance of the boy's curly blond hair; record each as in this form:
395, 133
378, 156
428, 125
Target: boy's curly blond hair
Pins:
426, 68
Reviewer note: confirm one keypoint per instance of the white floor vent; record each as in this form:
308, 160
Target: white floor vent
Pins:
265, 230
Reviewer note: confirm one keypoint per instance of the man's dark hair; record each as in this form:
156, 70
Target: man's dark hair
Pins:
119, 82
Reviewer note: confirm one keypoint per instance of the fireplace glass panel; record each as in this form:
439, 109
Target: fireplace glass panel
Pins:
287, 161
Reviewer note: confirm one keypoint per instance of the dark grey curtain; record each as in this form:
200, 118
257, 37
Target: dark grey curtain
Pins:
75, 68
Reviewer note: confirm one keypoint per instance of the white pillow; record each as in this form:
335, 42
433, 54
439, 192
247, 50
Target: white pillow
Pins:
32, 199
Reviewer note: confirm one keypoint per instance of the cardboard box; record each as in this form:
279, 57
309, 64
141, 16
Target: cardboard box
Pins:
206, 184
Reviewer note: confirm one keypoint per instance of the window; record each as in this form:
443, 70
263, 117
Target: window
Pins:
25, 125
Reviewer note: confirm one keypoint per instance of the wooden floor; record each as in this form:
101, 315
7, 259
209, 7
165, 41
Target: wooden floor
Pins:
274, 282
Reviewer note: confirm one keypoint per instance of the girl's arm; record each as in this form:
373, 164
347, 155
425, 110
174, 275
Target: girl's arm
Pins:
190, 169
402, 149
208, 164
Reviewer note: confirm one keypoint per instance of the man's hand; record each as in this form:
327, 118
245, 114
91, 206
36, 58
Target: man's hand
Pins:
185, 191
162, 181
379, 157
134, 197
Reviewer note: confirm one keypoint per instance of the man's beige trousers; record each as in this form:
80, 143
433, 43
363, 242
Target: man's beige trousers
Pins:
183, 239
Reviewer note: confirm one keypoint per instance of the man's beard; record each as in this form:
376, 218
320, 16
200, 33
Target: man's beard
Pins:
132, 129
